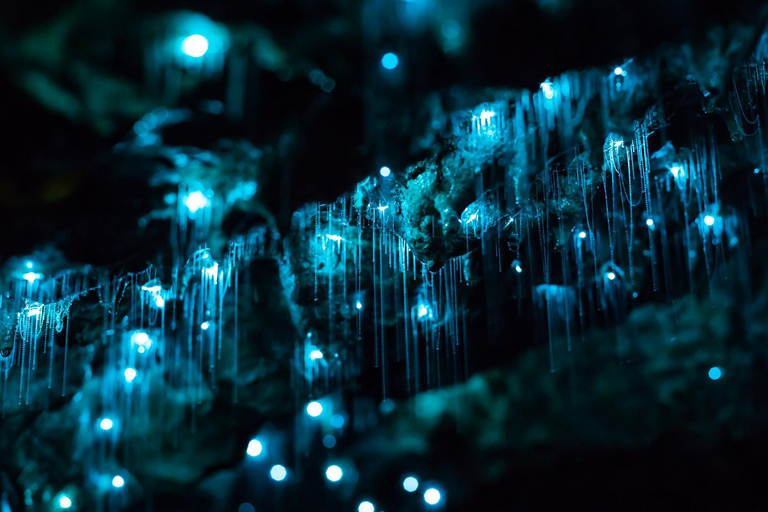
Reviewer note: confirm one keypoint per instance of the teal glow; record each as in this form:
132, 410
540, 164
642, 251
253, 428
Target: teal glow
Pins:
411, 483
314, 409
195, 46
715, 373
65, 502
315, 354
118, 481
390, 61
337, 421
709, 220
385, 171
278, 473
106, 424
254, 448
130, 374
366, 506
432, 496
334, 473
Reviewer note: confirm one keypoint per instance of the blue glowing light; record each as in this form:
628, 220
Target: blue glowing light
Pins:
314, 409
359, 305
366, 506
337, 421
411, 483
106, 424
618, 71
65, 502
715, 373
611, 276
29, 264
390, 61
205, 325
130, 374
278, 473
548, 89
649, 223
141, 339
195, 201
709, 220
333, 473
432, 496
677, 171
118, 481
254, 448
385, 171
195, 46
329, 441
315, 354
518, 269
31, 277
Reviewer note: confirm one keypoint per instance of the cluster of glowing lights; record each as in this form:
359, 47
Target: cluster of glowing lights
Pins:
142, 340
31, 277
410, 484
385, 171
314, 409
619, 71
194, 46
130, 374
278, 473
254, 448
196, 201
715, 373
390, 61
118, 482
333, 473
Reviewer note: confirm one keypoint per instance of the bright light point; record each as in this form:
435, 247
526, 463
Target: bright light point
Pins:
195, 201
205, 325
31, 277
423, 311
548, 89
314, 409
278, 473
366, 506
432, 496
65, 502
333, 473
335, 238
195, 46
649, 222
385, 171
618, 71
583, 235
715, 373
315, 354
676, 171
254, 448
130, 374
611, 276
337, 421
709, 220
159, 301
518, 269
141, 339
29, 265
106, 424
410, 484
118, 482
329, 441
141, 350
382, 208
390, 61
359, 305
